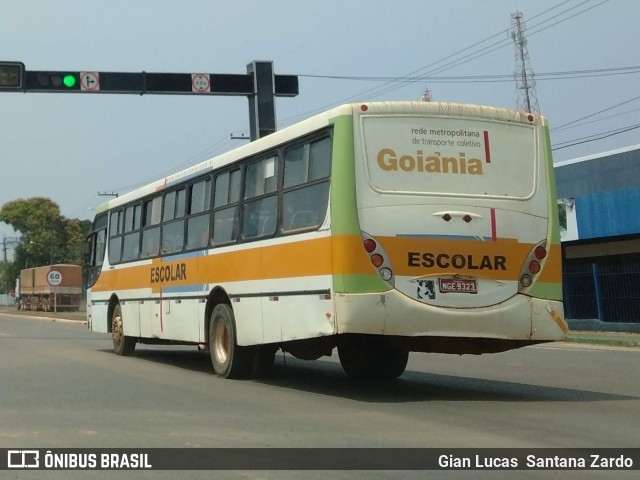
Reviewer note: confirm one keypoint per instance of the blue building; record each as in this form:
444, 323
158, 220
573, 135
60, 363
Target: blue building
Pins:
599, 203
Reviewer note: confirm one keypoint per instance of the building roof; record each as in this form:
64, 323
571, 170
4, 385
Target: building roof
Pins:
616, 170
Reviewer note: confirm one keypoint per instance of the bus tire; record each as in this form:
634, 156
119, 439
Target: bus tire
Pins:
263, 361
229, 359
392, 363
123, 345
368, 356
354, 357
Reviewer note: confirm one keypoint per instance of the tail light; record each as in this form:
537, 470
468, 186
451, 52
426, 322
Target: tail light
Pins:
533, 265
378, 258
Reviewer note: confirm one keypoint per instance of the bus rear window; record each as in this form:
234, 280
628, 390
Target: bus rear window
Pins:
450, 156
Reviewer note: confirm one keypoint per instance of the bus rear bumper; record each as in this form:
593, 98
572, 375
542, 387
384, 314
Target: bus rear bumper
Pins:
520, 318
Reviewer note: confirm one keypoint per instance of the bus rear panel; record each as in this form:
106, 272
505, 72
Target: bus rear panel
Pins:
457, 225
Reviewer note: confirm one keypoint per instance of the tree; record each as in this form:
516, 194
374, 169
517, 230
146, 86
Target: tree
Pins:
39, 222
46, 236
8, 275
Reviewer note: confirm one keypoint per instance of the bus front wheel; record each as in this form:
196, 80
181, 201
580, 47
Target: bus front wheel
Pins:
369, 356
229, 359
122, 344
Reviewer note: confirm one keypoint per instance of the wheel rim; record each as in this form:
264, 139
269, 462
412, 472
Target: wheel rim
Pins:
116, 330
221, 342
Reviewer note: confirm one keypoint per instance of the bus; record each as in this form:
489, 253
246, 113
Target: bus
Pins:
376, 229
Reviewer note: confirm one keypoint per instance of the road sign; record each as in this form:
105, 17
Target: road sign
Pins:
54, 278
89, 81
200, 83
11, 75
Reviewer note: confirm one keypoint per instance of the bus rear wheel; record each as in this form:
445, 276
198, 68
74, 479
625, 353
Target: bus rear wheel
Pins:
369, 356
264, 359
122, 344
229, 359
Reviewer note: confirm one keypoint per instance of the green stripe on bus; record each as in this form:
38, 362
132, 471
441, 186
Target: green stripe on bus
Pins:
554, 233
550, 291
359, 284
344, 211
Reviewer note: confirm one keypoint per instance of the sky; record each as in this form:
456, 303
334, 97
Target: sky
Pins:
71, 147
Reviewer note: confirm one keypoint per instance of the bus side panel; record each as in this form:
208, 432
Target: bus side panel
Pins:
307, 315
96, 314
131, 318
180, 320
295, 279
248, 314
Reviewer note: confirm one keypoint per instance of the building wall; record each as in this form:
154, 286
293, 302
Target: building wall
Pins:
599, 198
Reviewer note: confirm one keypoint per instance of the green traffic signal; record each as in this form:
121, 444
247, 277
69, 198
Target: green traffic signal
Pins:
69, 81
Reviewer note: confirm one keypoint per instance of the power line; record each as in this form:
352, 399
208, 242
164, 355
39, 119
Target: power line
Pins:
503, 43
593, 138
561, 75
391, 85
559, 127
488, 49
601, 119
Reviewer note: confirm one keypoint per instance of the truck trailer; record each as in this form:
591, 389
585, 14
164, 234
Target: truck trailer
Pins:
50, 288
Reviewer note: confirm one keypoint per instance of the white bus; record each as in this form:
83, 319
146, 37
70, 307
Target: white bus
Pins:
377, 228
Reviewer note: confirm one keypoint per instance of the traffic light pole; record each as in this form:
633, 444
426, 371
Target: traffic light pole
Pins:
260, 85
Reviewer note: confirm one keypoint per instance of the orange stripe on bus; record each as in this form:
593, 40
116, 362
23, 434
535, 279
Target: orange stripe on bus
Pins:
298, 259
337, 255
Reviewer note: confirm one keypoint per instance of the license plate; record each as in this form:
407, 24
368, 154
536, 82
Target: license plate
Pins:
457, 285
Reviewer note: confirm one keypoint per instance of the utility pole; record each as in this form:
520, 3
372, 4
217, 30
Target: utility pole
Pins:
6, 243
525, 82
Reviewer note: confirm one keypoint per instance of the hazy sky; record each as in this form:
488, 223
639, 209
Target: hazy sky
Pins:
69, 147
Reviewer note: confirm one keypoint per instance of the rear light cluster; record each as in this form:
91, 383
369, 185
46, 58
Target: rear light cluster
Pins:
378, 258
533, 265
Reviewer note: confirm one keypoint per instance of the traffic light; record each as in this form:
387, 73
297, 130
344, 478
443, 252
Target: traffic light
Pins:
11, 75
55, 80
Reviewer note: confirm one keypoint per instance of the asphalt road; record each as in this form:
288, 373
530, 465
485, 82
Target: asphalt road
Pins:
60, 386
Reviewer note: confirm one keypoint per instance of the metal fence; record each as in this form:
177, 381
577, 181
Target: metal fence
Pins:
6, 300
609, 292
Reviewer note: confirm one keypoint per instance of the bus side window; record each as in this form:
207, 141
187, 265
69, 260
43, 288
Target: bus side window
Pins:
151, 216
226, 216
198, 232
305, 207
198, 222
173, 237
100, 247
173, 221
150, 242
131, 246
225, 225
306, 185
260, 216
115, 236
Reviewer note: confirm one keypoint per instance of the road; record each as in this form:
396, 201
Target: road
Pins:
62, 387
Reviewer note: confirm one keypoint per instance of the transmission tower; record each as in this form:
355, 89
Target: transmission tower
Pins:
426, 95
525, 81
